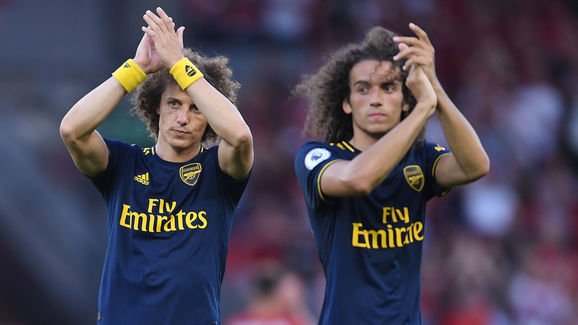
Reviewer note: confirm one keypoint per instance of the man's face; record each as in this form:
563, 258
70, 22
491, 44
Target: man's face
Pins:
180, 123
376, 98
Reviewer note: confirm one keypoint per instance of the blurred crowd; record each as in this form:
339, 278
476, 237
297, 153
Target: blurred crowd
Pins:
503, 250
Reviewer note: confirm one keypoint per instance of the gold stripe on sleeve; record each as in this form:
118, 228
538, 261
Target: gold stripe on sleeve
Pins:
319, 177
433, 170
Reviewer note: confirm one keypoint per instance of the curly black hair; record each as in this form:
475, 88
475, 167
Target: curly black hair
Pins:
329, 87
147, 97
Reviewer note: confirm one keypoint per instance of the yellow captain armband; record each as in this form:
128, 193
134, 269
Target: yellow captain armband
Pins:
185, 73
130, 75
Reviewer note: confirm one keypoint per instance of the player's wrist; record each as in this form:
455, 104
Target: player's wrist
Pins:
425, 107
185, 73
141, 65
437, 86
172, 60
129, 75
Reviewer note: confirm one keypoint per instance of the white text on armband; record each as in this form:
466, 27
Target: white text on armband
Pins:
402, 234
160, 218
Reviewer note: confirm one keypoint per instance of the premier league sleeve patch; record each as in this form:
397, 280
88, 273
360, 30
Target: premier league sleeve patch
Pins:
316, 156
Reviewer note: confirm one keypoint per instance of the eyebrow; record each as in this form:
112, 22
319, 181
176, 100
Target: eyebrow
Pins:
392, 82
361, 82
387, 82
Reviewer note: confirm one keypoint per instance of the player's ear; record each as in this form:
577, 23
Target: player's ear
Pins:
405, 107
346, 106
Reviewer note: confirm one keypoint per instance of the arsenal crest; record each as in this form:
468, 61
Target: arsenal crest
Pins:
190, 173
414, 177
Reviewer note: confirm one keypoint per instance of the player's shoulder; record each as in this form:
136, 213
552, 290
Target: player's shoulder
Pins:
434, 147
322, 148
313, 144
336, 147
116, 146
209, 153
115, 143
314, 153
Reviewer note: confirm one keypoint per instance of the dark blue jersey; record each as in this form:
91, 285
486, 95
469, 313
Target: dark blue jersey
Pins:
169, 226
370, 246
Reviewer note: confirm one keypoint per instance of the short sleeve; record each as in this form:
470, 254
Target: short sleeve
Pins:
229, 186
433, 153
118, 153
310, 163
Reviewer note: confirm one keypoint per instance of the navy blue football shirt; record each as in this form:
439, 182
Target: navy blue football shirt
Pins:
370, 246
169, 226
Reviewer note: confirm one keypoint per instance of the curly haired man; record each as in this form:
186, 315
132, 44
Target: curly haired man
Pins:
170, 207
367, 178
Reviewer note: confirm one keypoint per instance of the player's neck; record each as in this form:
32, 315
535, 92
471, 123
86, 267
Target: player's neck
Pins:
362, 140
178, 155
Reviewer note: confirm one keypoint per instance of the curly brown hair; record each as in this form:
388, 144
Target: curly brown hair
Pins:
329, 87
147, 97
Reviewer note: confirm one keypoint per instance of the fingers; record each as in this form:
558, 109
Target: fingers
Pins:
163, 15
155, 24
421, 34
416, 61
413, 55
416, 50
158, 24
167, 21
422, 40
403, 52
409, 40
166, 44
409, 51
151, 19
402, 47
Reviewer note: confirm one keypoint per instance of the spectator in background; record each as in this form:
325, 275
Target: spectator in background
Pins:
278, 299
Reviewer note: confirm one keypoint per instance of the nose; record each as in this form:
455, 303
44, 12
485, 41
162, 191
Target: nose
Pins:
376, 97
182, 116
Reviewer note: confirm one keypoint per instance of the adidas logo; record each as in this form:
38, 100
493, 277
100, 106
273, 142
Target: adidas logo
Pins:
126, 65
190, 71
142, 178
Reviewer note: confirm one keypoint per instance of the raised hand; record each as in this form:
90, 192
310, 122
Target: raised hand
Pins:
167, 42
418, 51
421, 88
146, 56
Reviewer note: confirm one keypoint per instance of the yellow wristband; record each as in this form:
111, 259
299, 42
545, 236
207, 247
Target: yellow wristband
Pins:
129, 75
185, 73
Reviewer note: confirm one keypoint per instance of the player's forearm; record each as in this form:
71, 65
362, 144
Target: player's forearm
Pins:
221, 114
91, 110
462, 138
374, 165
